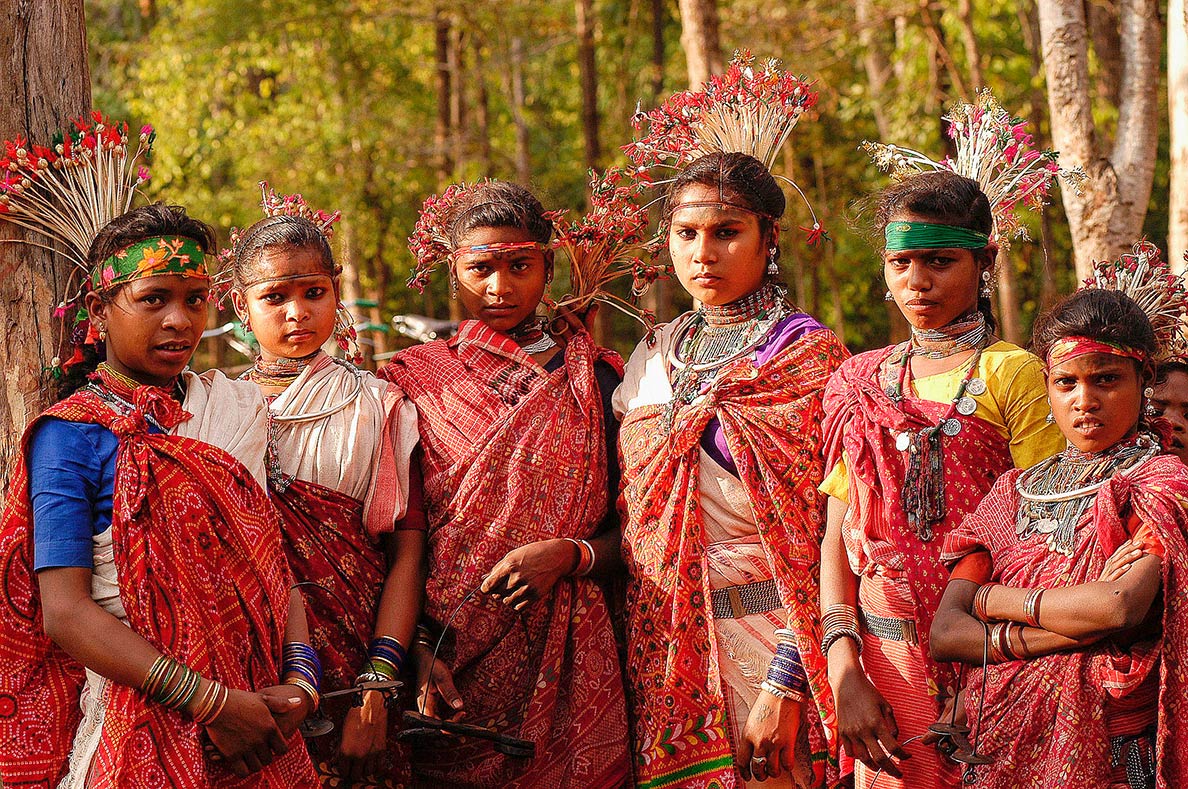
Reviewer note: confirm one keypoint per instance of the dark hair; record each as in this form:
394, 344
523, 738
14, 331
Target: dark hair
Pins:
155, 219
283, 231
946, 198
1164, 369
740, 179
1103, 315
498, 204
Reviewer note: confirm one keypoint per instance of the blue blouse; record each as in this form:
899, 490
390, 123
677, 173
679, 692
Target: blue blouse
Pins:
71, 480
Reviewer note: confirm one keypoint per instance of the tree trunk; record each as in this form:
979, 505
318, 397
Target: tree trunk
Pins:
1177, 100
44, 82
516, 88
456, 60
441, 126
876, 63
483, 110
969, 38
699, 38
1107, 217
588, 76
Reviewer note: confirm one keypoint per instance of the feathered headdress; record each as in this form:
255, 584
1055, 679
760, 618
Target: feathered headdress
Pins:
1143, 275
994, 149
68, 192
749, 109
273, 204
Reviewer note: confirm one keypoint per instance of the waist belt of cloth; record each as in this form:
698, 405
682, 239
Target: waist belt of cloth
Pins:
735, 602
889, 628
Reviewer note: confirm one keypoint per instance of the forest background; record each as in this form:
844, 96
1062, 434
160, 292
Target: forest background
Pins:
368, 106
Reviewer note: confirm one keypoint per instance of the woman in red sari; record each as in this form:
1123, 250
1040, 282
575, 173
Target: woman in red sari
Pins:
916, 433
1070, 576
517, 460
340, 441
146, 598
722, 455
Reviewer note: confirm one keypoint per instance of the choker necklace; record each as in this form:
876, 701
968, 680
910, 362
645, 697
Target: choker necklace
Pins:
280, 372
1054, 494
714, 336
532, 337
962, 335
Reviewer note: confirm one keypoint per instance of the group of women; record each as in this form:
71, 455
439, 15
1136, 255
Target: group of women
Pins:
946, 559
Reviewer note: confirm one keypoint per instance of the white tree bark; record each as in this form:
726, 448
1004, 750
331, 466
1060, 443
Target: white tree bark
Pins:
1107, 217
1177, 110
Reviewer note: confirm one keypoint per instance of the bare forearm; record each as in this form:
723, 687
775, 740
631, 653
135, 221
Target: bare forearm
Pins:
404, 588
297, 626
1090, 610
839, 586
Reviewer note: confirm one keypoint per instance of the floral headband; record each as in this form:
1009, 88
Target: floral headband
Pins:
152, 257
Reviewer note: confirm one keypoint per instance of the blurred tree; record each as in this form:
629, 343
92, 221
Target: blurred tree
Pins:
44, 83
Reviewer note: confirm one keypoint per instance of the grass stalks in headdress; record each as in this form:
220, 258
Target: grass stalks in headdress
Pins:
994, 149
749, 109
608, 244
1143, 276
68, 192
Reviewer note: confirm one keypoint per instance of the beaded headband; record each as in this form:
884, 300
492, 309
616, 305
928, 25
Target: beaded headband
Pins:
721, 205
1068, 348
496, 248
929, 235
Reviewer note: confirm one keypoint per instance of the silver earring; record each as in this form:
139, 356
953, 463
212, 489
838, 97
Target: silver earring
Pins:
772, 266
986, 291
453, 286
1050, 418
888, 297
1148, 408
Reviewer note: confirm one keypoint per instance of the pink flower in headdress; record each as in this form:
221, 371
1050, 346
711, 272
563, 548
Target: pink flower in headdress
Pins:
142, 175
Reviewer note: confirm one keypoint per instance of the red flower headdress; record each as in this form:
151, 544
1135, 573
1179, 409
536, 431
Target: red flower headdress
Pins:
430, 242
746, 110
66, 193
1143, 275
607, 244
994, 149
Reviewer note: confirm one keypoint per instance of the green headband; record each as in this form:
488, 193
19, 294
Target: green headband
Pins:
152, 257
926, 235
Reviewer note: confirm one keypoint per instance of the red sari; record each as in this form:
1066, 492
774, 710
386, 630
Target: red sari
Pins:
902, 576
770, 418
202, 578
1046, 719
514, 454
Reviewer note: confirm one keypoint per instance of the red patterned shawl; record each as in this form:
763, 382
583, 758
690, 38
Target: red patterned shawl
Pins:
769, 416
202, 578
512, 455
325, 542
860, 418
1044, 721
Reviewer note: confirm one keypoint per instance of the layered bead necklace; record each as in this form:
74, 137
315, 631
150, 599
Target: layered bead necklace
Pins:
922, 495
714, 336
1054, 494
279, 372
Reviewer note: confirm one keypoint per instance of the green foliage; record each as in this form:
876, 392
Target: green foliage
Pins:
338, 100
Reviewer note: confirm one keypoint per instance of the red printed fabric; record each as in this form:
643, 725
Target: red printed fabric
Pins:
1046, 720
863, 421
512, 455
202, 578
770, 417
326, 544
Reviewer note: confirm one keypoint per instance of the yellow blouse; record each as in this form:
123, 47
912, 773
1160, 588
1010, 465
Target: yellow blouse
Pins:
1015, 403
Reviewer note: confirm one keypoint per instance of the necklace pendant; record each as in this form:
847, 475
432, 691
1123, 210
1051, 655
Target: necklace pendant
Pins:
976, 387
892, 391
966, 406
950, 427
902, 442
